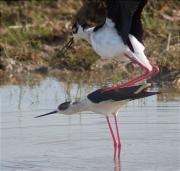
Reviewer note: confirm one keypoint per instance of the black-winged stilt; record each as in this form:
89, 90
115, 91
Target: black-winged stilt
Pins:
106, 103
119, 35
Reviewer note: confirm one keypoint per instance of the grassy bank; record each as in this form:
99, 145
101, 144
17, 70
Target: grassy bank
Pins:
33, 32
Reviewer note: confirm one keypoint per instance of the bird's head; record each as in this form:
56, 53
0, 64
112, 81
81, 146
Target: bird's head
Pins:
66, 108
78, 30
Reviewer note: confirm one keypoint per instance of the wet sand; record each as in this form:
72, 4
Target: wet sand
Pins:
149, 130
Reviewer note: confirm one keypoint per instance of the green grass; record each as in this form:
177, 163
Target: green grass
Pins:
48, 27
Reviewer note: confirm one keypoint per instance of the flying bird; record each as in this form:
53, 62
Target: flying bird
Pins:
120, 35
105, 103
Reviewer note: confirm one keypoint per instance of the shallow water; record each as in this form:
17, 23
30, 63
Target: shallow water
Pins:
149, 130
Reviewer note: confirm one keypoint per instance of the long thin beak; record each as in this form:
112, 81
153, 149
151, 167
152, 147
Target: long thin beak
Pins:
67, 46
55, 111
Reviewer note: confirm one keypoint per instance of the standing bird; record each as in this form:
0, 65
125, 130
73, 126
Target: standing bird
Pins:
120, 35
106, 103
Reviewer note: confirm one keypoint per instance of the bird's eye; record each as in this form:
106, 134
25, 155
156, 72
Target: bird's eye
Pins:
74, 28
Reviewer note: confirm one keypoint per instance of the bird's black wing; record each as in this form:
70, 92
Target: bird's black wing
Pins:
126, 15
100, 95
121, 94
136, 25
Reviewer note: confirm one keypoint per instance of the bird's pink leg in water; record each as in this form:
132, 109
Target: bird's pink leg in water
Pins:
113, 136
118, 136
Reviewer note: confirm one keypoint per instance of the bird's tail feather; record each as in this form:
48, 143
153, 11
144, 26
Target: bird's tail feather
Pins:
144, 94
139, 52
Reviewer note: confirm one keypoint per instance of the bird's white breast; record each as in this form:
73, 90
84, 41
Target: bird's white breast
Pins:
108, 107
107, 43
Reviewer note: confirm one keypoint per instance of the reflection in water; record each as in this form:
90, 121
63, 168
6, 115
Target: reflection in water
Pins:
117, 165
149, 131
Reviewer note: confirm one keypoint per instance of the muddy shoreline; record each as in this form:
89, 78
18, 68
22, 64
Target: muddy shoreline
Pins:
97, 76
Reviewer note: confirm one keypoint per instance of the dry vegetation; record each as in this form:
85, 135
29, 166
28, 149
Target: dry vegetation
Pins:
33, 32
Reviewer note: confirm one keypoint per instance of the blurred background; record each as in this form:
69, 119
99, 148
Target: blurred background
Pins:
32, 33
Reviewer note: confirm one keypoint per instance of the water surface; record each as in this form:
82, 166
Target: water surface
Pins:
149, 130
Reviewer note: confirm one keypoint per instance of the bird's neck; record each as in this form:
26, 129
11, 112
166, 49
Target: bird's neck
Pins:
86, 34
76, 108
109, 22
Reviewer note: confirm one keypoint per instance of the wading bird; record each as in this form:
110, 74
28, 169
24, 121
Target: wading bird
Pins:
120, 35
106, 103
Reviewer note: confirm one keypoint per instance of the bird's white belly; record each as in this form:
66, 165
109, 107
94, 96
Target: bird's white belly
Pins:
107, 43
108, 108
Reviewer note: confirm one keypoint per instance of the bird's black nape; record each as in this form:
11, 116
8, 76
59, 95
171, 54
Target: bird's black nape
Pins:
64, 106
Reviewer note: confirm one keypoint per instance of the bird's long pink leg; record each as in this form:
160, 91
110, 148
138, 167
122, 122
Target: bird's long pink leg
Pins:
137, 79
142, 77
113, 136
118, 136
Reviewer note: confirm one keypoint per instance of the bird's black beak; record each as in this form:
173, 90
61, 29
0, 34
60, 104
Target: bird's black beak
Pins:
53, 112
67, 45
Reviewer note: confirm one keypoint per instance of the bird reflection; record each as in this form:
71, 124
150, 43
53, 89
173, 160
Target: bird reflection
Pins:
117, 165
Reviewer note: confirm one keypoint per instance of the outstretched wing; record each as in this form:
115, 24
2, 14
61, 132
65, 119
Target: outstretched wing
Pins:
126, 14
